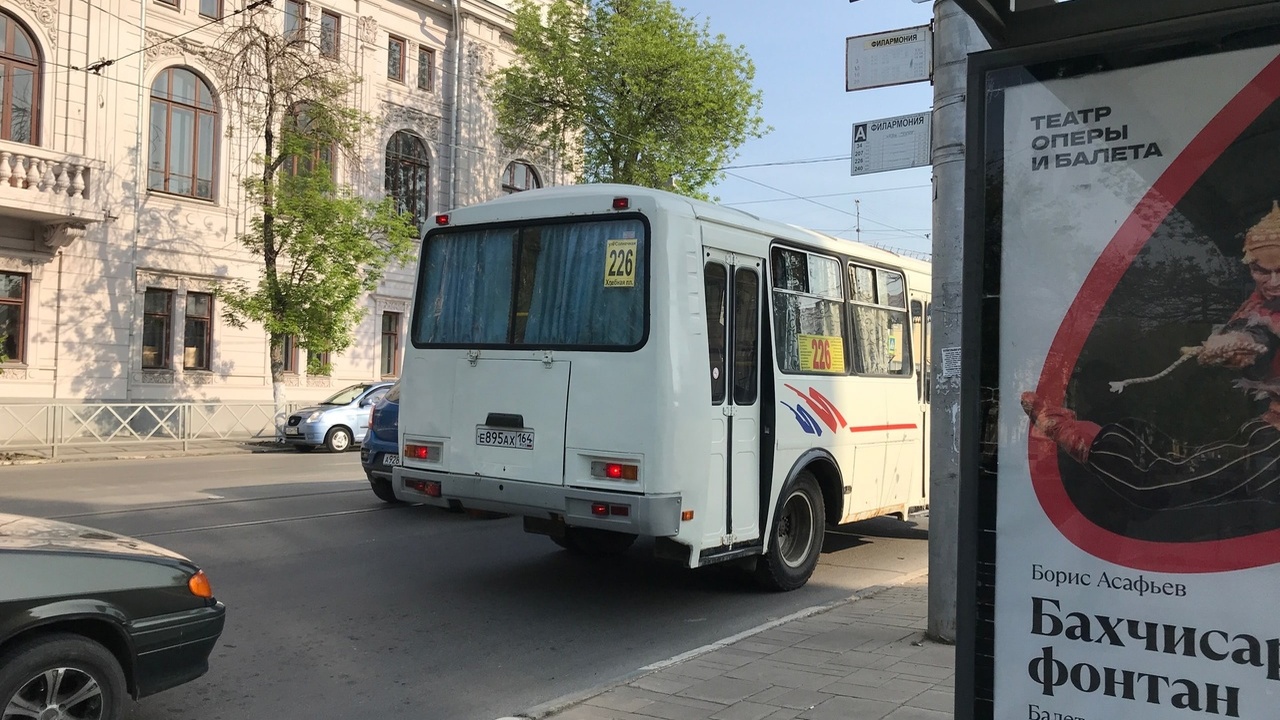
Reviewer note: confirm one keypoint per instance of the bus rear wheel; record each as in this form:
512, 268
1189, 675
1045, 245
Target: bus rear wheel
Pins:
795, 542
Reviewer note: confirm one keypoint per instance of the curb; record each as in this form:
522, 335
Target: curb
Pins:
142, 454
538, 712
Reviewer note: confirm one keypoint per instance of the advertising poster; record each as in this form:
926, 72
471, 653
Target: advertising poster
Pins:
1138, 434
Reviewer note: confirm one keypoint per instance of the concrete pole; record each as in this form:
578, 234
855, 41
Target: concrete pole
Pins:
955, 36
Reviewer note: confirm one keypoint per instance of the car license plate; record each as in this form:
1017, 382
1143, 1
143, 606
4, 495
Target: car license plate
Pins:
391, 459
293, 431
516, 439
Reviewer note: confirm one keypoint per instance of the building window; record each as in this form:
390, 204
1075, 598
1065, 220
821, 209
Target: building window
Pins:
407, 174
307, 154
395, 58
289, 360
390, 344
157, 323
19, 83
13, 315
198, 335
171, 3
318, 363
426, 69
295, 19
211, 8
519, 177
330, 31
184, 135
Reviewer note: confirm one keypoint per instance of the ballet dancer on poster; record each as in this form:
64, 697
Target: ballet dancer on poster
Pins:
1145, 466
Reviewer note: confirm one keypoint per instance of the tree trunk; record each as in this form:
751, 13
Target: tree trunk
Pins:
281, 413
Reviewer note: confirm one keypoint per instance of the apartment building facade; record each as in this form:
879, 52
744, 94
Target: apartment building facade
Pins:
122, 200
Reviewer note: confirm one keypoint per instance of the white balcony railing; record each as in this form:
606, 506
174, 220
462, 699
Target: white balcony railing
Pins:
47, 186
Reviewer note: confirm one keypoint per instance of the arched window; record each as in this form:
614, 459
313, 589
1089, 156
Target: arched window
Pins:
184, 135
19, 83
519, 177
408, 174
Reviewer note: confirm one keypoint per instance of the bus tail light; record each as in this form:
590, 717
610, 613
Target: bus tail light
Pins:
430, 488
615, 470
422, 451
600, 509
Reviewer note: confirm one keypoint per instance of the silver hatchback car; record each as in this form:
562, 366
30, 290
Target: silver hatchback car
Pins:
336, 423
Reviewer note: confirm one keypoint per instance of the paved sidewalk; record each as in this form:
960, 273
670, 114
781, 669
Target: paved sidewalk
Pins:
865, 659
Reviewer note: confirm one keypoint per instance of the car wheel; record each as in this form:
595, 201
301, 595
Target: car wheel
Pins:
799, 525
62, 676
382, 488
338, 440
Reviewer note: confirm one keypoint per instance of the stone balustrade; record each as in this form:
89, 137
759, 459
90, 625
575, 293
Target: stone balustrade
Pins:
65, 177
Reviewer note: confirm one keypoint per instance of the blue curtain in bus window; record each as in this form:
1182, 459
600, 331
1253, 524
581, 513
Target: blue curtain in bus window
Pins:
466, 294
574, 300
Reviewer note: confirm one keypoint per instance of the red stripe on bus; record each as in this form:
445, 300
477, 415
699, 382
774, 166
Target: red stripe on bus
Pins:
873, 428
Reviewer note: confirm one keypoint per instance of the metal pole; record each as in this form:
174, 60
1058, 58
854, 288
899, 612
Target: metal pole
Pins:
955, 36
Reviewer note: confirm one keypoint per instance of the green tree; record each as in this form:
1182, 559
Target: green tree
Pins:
641, 93
321, 246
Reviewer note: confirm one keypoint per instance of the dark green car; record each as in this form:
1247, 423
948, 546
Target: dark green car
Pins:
89, 618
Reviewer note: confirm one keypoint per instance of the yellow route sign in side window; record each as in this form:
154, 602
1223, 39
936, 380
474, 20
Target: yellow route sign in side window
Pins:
821, 353
620, 263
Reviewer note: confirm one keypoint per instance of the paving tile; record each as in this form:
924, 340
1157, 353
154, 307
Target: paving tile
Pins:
784, 714
675, 711
936, 654
754, 644
912, 713
919, 669
801, 699
845, 708
696, 669
664, 682
745, 711
896, 691
723, 690
867, 677
620, 700
765, 697
803, 657
857, 637
733, 656
861, 659
935, 699
779, 674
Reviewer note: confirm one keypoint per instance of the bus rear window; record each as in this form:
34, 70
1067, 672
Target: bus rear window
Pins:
579, 285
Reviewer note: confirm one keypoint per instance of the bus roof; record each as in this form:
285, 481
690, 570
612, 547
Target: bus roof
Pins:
509, 208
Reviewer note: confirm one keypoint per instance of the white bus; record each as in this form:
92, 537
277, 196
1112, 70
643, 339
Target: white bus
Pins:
610, 361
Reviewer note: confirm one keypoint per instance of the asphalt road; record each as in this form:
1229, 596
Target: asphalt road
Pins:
342, 606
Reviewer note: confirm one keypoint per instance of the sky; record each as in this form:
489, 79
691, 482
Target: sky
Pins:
798, 47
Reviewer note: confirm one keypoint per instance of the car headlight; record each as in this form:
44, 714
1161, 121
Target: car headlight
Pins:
315, 416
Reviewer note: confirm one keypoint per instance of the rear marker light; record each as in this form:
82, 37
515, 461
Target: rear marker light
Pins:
442, 219
686, 516
599, 509
414, 451
615, 471
430, 488
619, 510
621, 203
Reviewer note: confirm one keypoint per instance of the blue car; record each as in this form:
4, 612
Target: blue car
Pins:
337, 422
380, 450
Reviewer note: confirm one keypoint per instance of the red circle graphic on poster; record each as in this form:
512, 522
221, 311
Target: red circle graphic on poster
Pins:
1155, 423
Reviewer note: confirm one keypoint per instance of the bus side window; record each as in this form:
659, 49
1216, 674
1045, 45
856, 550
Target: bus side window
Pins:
746, 336
716, 279
917, 339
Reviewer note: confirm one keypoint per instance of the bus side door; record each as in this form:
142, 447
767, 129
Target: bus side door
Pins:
732, 284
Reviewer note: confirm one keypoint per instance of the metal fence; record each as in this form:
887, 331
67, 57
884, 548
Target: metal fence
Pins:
49, 428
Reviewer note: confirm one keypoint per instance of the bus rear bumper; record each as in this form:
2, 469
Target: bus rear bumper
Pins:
647, 515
